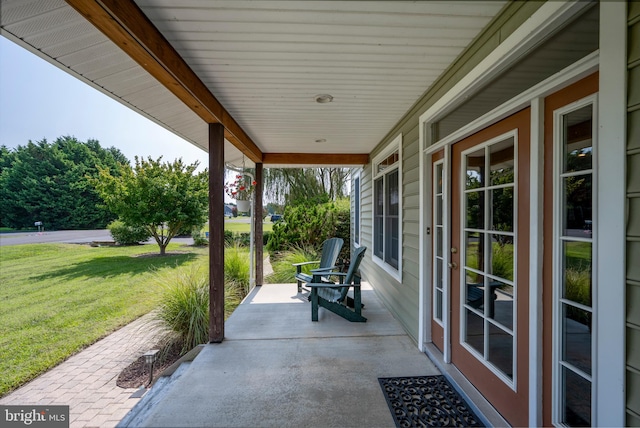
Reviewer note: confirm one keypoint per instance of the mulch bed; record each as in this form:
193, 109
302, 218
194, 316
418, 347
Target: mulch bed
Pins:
137, 373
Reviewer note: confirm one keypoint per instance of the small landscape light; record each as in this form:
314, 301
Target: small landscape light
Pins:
150, 358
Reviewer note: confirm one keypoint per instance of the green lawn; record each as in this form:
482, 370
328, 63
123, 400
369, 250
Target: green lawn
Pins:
60, 298
242, 226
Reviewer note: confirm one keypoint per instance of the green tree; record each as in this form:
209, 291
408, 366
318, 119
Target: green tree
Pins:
165, 198
48, 182
305, 185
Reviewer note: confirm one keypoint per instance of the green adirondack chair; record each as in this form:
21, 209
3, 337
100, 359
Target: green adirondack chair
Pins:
334, 296
330, 251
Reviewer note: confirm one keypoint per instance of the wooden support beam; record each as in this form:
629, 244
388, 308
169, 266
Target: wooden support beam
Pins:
124, 23
258, 216
318, 159
216, 233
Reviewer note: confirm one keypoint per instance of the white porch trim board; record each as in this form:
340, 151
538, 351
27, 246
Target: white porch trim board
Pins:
609, 372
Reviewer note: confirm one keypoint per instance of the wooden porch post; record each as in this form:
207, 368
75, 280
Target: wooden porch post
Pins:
258, 236
216, 233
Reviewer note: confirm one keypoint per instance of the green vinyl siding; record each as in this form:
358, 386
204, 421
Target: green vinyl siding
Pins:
633, 218
402, 298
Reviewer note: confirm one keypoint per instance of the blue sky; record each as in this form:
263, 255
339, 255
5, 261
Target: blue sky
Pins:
38, 100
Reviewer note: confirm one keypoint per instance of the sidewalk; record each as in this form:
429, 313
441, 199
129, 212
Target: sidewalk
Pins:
86, 382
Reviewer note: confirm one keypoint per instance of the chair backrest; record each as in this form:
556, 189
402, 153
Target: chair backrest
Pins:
330, 251
354, 268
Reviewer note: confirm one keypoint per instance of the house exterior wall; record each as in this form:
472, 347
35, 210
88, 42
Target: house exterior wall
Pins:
402, 297
633, 220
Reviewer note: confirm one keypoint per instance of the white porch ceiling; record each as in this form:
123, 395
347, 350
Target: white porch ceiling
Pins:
265, 61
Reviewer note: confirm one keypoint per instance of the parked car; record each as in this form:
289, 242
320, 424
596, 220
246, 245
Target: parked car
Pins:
275, 218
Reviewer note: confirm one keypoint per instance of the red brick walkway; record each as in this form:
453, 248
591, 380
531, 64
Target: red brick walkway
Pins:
87, 381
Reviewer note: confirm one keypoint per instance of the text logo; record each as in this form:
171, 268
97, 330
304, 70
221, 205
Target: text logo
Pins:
34, 416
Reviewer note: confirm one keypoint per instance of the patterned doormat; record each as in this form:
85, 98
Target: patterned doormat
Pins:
426, 401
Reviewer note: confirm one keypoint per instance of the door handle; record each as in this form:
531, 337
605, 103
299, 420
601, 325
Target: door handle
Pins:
453, 265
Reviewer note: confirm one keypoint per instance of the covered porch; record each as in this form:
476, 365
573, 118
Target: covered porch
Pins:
278, 368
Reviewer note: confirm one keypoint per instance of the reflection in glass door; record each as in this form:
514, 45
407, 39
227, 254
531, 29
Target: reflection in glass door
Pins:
488, 288
573, 264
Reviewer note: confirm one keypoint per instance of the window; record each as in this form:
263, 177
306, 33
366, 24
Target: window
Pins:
356, 208
574, 279
438, 241
387, 209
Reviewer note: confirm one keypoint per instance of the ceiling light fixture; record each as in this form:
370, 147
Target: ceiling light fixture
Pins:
323, 98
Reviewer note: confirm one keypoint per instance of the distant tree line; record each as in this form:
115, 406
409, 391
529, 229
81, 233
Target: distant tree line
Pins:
49, 182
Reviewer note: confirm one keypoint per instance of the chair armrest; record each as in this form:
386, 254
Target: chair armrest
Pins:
327, 270
299, 265
330, 285
305, 263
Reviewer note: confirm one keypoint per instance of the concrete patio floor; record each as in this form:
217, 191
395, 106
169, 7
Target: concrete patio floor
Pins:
278, 368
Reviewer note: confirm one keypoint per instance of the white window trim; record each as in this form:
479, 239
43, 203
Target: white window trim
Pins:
394, 145
512, 383
357, 175
609, 373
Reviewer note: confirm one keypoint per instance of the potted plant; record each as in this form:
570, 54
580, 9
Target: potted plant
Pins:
241, 189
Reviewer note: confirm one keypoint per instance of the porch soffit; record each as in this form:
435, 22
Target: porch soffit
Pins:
264, 62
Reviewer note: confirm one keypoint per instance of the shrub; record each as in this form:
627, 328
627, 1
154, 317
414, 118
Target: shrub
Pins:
128, 235
310, 225
199, 238
283, 271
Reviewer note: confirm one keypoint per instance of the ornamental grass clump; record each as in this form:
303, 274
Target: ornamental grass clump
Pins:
185, 305
236, 267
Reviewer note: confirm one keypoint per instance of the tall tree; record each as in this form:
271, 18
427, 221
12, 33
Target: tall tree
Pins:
293, 186
164, 198
48, 182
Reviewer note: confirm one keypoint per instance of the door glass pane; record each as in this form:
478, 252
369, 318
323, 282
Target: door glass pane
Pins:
438, 178
501, 156
439, 305
501, 350
578, 206
578, 139
439, 210
439, 236
502, 261
576, 409
475, 210
576, 340
439, 271
502, 298
501, 205
475, 331
474, 250
577, 272
476, 169
474, 290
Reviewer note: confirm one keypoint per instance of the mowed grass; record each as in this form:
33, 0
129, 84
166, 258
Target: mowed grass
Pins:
57, 299
243, 226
